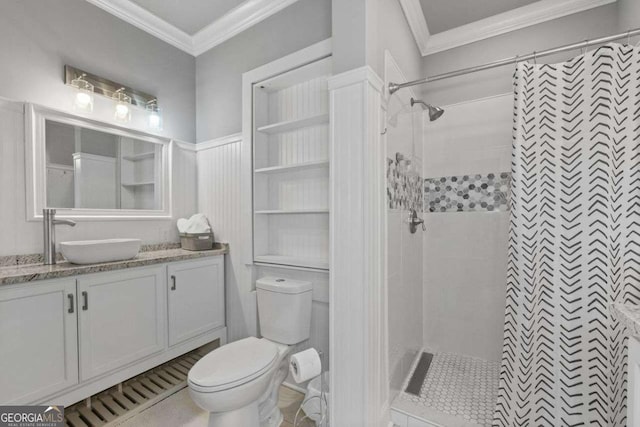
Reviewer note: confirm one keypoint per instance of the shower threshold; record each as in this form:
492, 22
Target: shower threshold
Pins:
457, 391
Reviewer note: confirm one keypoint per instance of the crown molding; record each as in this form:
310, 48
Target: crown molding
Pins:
146, 21
417, 23
516, 19
237, 20
244, 16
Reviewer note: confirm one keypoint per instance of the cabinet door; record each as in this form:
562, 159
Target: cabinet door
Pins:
121, 318
38, 340
196, 298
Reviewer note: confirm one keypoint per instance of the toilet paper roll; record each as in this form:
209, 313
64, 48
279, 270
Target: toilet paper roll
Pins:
305, 365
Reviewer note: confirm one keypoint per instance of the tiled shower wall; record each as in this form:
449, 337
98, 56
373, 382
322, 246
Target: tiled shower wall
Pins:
467, 160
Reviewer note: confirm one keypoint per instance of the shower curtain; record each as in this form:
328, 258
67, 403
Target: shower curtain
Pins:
574, 244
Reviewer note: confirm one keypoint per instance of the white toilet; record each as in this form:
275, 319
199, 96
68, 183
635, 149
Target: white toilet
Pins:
238, 383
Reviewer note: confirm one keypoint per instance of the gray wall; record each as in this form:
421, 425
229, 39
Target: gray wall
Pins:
37, 38
349, 28
629, 15
364, 29
391, 33
219, 71
598, 22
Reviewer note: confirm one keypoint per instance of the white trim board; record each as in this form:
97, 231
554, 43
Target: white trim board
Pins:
516, 19
218, 142
356, 315
238, 19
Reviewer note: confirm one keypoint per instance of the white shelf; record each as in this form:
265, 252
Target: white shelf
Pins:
137, 184
292, 211
293, 261
294, 167
141, 156
294, 124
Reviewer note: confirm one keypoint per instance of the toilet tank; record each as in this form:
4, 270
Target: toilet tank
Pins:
284, 309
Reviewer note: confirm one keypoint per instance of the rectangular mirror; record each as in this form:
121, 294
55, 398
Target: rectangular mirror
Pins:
85, 168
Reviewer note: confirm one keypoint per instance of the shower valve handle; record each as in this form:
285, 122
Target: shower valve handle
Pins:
418, 221
414, 221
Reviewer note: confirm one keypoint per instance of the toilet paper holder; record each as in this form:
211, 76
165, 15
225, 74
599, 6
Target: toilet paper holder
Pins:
322, 397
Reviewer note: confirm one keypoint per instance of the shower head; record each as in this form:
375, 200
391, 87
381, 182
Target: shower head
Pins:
434, 112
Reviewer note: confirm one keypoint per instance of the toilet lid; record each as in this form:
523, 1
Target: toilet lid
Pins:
234, 364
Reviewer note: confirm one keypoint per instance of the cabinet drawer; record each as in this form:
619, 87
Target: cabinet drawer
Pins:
196, 298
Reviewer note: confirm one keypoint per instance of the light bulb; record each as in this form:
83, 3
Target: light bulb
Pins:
82, 99
154, 121
123, 113
84, 94
123, 106
155, 115
122, 110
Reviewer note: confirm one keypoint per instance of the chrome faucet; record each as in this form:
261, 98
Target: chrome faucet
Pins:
49, 220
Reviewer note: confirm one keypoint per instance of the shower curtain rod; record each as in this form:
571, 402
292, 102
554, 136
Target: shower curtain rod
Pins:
394, 87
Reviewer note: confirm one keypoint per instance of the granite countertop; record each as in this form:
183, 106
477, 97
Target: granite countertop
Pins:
628, 315
21, 272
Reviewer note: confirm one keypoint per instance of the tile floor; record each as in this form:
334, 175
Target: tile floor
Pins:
458, 391
179, 410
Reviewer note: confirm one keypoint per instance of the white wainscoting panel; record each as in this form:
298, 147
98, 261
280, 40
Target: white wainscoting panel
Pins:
220, 198
22, 237
358, 342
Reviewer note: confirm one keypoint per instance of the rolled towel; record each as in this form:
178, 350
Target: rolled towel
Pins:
198, 223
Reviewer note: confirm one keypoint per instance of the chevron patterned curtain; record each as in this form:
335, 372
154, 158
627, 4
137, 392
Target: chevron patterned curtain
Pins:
574, 244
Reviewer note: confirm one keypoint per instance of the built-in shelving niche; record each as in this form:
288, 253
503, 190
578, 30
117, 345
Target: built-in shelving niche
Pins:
291, 168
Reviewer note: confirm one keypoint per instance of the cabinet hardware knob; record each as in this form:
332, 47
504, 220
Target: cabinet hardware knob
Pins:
85, 296
71, 304
173, 283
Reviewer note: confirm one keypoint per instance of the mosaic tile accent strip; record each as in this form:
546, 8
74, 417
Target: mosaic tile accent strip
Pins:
403, 189
458, 386
468, 193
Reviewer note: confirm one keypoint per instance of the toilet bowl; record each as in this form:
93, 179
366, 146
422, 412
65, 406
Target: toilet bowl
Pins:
238, 383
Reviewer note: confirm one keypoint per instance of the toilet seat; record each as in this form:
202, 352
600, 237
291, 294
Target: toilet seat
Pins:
233, 365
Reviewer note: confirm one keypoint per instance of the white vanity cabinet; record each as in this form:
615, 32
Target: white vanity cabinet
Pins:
38, 340
64, 340
196, 298
121, 318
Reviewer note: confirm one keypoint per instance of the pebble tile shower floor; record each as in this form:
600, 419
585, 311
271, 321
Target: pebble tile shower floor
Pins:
458, 391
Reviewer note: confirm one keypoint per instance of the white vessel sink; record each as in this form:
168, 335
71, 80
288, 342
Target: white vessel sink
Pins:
97, 251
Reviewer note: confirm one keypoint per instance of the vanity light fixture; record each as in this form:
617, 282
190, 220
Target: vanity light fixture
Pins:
125, 97
122, 112
84, 94
155, 115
